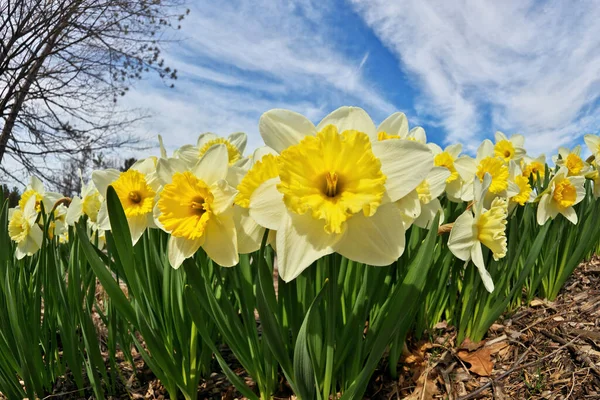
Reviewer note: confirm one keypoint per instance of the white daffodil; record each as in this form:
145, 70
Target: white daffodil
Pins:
235, 144
195, 207
23, 229
479, 226
593, 143
136, 192
263, 167
562, 194
445, 158
396, 127
36, 189
525, 194
422, 205
486, 162
532, 167
88, 204
336, 188
571, 159
509, 149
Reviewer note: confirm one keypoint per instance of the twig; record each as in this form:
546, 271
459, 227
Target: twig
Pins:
514, 368
574, 349
65, 393
572, 387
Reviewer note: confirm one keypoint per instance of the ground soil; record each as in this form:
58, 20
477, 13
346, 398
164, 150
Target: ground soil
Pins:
547, 350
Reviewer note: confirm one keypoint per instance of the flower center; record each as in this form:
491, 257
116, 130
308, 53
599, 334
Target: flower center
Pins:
574, 164
444, 159
565, 193
333, 175
185, 206
137, 197
424, 192
331, 179
27, 195
504, 149
534, 168
524, 190
233, 152
498, 171
491, 228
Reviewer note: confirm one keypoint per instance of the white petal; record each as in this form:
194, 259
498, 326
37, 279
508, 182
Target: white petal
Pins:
377, 240
249, 233
350, 118
235, 175
454, 150
437, 181
593, 143
404, 163
477, 257
205, 138
578, 182
466, 167
418, 133
570, 214
410, 205
395, 124
37, 185
146, 166
435, 149
213, 165
74, 211
463, 236
29, 211
220, 241
486, 149
281, 129
499, 136
542, 209
188, 154
104, 178
223, 196
181, 248
518, 140
137, 226
428, 213
266, 205
239, 140
301, 240
163, 151
167, 167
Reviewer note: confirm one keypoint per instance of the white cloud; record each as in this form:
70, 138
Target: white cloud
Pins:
532, 67
239, 59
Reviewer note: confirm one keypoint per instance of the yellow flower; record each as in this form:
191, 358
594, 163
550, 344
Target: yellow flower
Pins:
593, 143
344, 180
336, 187
574, 164
505, 150
497, 170
23, 229
36, 189
562, 194
195, 207
479, 226
524, 190
261, 171
491, 228
509, 149
137, 197
444, 159
533, 168
571, 159
233, 152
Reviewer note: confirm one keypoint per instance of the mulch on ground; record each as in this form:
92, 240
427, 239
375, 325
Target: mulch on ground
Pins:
548, 350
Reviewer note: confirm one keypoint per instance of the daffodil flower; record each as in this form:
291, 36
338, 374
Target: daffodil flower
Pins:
196, 208
486, 162
23, 229
422, 205
58, 226
235, 144
335, 189
136, 192
263, 167
479, 226
571, 159
509, 149
36, 189
562, 194
593, 143
534, 166
525, 194
396, 127
445, 158
89, 204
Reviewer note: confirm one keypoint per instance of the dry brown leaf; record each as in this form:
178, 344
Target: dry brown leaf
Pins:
467, 344
480, 360
496, 347
425, 388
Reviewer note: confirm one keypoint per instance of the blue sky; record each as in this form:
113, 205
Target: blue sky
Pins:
460, 69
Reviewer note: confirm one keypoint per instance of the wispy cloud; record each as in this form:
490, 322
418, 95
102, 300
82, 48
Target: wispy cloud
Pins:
521, 66
237, 59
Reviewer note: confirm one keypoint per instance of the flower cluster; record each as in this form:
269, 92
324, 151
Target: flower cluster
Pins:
343, 186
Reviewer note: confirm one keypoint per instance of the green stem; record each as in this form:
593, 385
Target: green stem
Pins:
331, 320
